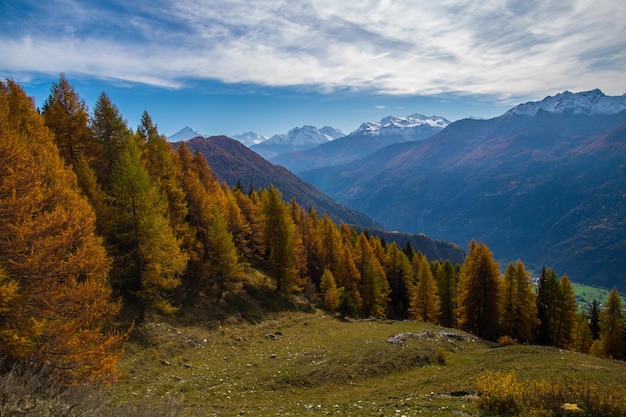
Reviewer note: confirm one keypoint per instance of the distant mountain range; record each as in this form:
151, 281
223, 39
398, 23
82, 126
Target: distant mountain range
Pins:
545, 182
368, 138
297, 139
250, 138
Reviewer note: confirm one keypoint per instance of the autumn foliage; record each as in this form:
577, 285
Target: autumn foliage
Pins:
96, 218
56, 299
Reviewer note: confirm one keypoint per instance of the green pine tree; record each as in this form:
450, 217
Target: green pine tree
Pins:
149, 259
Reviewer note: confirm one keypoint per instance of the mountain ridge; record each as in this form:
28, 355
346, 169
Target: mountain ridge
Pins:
543, 188
368, 138
296, 139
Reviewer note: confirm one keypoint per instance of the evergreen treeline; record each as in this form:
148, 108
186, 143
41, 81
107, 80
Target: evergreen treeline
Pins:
96, 217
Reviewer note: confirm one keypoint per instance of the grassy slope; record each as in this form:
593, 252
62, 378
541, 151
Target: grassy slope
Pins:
319, 365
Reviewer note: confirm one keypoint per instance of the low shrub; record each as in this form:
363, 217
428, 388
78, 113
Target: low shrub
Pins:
503, 394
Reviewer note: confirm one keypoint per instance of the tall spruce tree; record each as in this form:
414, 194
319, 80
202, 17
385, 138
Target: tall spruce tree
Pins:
548, 295
111, 131
149, 259
400, 276
594, 319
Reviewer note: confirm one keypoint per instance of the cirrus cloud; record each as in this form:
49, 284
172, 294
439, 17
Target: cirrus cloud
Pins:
505, 49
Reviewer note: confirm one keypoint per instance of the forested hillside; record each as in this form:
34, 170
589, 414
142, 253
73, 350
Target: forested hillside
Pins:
97, 218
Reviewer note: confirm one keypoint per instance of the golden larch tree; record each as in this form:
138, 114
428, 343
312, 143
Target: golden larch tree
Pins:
55, 296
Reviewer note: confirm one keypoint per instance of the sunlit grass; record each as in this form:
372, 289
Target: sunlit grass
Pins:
292, 363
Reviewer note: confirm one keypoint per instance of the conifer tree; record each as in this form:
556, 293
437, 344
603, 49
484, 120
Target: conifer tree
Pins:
348, 277
519, 311
479, 293
55, 298
236, 222
447, 290
582, 334
149, 259
67, 116
329, 289
612, 327
224, 263
312, 245
252, 249
111, 131
425, 304
548, 296
332, 246
400, 276
374, 286
159, 161
567, 314
278, 233
594, 319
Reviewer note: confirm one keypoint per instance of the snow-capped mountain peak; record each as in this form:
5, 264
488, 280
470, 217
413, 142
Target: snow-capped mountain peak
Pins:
305, 136
184, 134
392, 125
250, 138
593, 102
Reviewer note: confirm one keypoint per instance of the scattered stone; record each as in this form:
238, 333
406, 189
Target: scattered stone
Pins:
400, 338
271, 336
164, 362
273, 355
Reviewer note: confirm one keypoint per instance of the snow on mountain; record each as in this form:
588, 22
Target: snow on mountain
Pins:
297, 139
593, 102
393, 125
184, 134
305, 136
250, 138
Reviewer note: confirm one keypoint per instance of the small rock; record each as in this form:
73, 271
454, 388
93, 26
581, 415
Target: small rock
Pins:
164, 362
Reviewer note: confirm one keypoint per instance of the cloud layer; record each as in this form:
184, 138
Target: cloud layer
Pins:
504, 49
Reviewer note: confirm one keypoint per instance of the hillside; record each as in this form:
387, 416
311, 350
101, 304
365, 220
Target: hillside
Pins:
297, 363
542, 188
235, 163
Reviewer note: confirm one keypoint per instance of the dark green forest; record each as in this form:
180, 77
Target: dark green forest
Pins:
100, 221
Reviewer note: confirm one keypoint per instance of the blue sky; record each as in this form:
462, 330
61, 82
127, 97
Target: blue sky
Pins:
230, 66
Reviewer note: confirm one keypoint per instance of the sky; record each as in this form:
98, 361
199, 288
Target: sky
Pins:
232, 66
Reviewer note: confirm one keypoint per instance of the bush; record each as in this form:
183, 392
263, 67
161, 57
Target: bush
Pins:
500, 393
503, 394
29, 391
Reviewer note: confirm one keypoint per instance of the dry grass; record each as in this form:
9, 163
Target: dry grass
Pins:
248, 356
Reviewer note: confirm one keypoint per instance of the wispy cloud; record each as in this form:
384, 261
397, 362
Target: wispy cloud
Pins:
492, 47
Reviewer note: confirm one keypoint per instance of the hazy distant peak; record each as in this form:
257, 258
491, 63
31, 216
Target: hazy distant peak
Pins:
593, 102
391, 124
305, 136
183, 134
250, 138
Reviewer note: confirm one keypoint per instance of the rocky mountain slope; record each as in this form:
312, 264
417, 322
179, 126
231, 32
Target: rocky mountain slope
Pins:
546, 186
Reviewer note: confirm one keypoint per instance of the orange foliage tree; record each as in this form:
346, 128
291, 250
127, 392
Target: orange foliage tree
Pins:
55, 297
